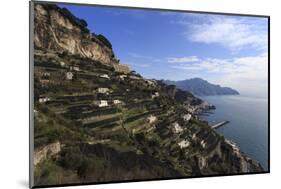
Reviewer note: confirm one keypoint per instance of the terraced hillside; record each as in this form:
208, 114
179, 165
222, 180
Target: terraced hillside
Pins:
94, 123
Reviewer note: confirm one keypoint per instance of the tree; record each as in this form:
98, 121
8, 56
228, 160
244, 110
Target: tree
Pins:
105, 41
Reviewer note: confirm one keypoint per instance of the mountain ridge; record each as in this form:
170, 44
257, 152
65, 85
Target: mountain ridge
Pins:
201, 87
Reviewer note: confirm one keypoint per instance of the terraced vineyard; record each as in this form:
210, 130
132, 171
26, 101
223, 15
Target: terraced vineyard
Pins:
95, 124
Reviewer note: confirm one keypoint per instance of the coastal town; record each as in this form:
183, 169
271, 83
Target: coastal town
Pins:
97, 120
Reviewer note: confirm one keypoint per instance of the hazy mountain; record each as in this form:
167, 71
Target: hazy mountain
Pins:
201, 87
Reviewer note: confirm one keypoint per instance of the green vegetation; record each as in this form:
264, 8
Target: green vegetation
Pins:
49, 173
111, 127
104, 40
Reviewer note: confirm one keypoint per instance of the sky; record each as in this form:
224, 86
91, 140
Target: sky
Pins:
226, 50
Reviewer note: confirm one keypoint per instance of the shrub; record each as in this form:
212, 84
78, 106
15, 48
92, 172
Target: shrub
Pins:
48, 173
71, 158
80, 22
92, 166
140, 137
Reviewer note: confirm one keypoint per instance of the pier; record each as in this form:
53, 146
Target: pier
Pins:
220, 124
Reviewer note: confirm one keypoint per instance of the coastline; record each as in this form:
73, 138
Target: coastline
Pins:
205, 112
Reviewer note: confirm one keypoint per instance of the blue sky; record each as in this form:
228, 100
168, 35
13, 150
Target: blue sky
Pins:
227, 50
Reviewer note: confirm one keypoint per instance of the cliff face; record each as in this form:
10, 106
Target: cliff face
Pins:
56, 29
43, 153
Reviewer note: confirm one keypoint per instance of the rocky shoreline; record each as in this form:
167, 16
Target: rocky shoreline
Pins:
247, 164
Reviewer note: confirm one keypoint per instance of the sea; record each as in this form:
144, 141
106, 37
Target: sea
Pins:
248, 126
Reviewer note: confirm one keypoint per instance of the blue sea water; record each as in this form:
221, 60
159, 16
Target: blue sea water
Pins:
248, 125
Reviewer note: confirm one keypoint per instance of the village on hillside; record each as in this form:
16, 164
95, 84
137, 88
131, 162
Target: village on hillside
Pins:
97, 120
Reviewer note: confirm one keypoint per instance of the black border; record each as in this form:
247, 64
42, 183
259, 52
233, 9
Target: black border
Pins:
135, 8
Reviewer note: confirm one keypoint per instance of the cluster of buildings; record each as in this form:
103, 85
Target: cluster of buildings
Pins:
103, 90
105, 103
122, 69
43, 99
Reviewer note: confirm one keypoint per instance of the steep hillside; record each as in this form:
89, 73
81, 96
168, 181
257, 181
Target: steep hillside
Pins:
202, 87
96, 123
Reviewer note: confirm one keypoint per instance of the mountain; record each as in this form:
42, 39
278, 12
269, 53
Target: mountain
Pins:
200, 87
95, 122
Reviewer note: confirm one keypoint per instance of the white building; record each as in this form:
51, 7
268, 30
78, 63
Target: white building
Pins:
177, 127
75, 68
44, 99
186, 117
117, 102
69, 75
151, 119
46, 74
62, 64
105, 76
184, 144
203, 144
194, 136
122, 77
101, 103
156, 94
103, 90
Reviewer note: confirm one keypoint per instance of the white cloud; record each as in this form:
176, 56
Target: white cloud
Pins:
183, 59
232, 33
243, 73
251, 66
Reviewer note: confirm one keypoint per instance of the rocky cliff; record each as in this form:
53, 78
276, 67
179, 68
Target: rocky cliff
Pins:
56, 29
40, 154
